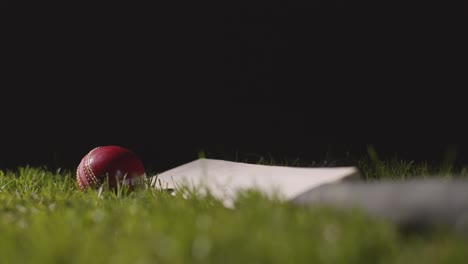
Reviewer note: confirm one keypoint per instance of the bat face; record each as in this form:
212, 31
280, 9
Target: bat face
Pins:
225, 178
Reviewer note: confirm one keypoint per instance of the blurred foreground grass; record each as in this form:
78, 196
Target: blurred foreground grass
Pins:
45, 219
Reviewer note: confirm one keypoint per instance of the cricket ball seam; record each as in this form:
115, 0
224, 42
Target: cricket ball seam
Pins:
84, 180
78, 174
89, 180
92, 176
85, 173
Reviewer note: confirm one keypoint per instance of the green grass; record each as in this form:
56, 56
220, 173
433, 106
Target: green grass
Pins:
45, 219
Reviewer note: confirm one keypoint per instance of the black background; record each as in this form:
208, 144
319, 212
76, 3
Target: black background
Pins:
278, 79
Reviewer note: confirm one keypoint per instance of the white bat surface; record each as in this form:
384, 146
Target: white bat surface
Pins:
225, 178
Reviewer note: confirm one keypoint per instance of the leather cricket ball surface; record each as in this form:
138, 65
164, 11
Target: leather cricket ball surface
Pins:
113, 164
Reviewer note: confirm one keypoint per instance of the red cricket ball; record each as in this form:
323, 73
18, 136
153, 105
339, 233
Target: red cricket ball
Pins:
114, 164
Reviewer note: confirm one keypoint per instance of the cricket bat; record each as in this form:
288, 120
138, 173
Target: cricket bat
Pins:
224, 179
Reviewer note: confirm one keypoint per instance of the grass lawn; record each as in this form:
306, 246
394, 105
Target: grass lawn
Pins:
45, 219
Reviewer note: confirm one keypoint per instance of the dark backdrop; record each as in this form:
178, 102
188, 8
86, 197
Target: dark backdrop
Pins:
282, 80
